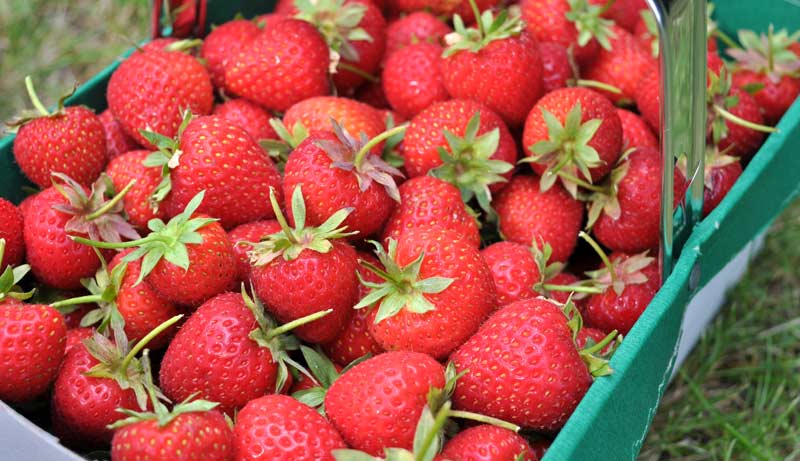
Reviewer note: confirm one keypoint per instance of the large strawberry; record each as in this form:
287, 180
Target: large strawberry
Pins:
151, 89
573, 134
247, 115
222, 42
301, 72
412, 78
495, 47
487, 443
242, 237
117, 141
279, 428
434, 293
417, 27
303, 270
137, 203
11, 225
69, 140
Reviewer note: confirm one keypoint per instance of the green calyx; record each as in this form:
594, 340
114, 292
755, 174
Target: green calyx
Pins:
490, 28
468, 164
279, 150
620, 273
592, 355
401, 287
719, 100
767, 54
338, 22
10, 278
589, 22
290, 242
167, 157
166, 241
39, 109
324, 374
548, 270
566, 152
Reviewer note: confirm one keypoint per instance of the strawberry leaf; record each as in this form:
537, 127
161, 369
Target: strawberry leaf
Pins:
589, 23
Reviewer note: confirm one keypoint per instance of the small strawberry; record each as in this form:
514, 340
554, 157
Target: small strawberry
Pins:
573, 134
721, 173
588, 337
241, 235
487, 443
417, 27
494, 47
136, 203
224, 41
527, 214
69, 140
412, 78
301, 73
434, 293
247, 115
635, 131
302, 270
279, 428
117, 141
75, 337
557, 68
11, 225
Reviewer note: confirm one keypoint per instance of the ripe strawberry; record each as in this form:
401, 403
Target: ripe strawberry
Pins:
648, 98
301, 72
247, 115
137, 202
11, 224
371, 93
435, 7
624, 13
69, 140
117, 141
528, 338
434, 293
495, 48
574, 134
250, 232
622, 65
315, 114
358, 407
427, 202
412, 78
721, 173
417, 27
487, 443
635, 131
768, 60
265, 425
735, 124
151, 89
526, 214
557, 70
303, 270
75, 337
224, 41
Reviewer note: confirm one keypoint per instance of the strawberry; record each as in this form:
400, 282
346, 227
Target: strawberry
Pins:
117, 141
635, 131
572, 132
412, 78
151, 89
75, 337
624, 13
315, 114
301, 73
69, 140
434, 293
338, 171
136, 203
768, 61
279, 428
528, 338
721, 180
302, 270
735, 124
557, 69
250, 232
224, 41
622, 65
229, 351
58, 213
417, 27
357, 404
11, 225
574, 24
527, 214
495, 47
371, 93
247, 115
648, 98
487, 443
427, 202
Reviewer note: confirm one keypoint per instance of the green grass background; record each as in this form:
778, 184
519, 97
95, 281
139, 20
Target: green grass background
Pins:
736, 397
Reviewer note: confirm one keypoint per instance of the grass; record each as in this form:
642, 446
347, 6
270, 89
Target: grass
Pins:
736, 397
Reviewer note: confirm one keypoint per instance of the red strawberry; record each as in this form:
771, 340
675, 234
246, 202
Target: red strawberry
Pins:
11, 225
378, 402
150, 89
224, 41
279, 428
75, 337
301, 73
434, 293
721, 173
648, 98
775, 97
635, 131
735, 124
557, 70
528, 338
372, 93
527, 214
69, 140
487, 443
117, 141
624, 13
137, 202
436, 7
417, 27
247, 115
574, 134
412, 78
303, 270
494, 49
427, 202
315, 114
250, 232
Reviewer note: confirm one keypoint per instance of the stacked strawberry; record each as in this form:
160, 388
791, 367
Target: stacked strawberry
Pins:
399, 190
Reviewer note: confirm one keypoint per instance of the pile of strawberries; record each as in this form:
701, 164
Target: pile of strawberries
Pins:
411, 230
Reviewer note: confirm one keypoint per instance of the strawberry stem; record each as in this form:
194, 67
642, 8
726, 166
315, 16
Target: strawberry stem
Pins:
362, 153
603, 343
484, 419
78, 300
114, 245
770, 56
350, 68
286, 327
143, 342
37, 103
571, 288
600, 253
111, 203
280, 217
726, 39
742, 122
438, 423
477, 12
580, 182
595, 84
